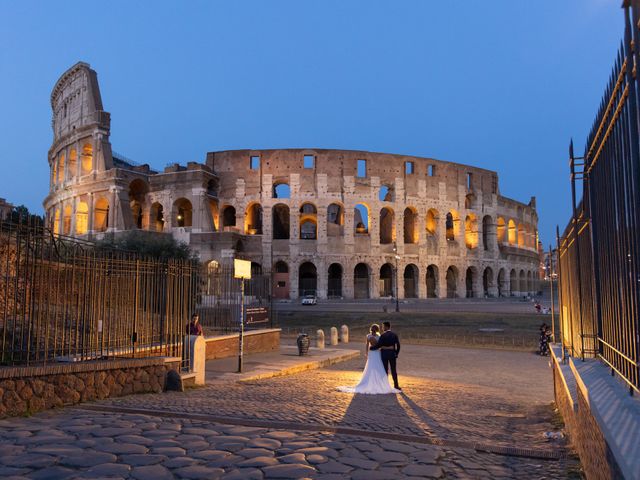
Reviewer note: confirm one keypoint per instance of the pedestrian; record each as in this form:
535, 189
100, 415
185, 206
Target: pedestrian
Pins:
543, 348
194, 327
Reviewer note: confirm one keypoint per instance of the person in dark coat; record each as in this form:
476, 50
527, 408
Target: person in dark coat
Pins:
389, 346
194, 327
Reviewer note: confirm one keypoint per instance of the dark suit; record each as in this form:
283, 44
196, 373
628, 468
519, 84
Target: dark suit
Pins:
389, 339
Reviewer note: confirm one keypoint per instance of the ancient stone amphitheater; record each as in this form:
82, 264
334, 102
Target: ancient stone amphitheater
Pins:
334, 223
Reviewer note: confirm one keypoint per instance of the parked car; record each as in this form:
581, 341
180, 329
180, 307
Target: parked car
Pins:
309, 300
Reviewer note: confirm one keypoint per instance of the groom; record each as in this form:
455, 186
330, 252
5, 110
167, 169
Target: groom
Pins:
389, 346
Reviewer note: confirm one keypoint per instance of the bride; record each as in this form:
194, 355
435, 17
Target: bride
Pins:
374, 379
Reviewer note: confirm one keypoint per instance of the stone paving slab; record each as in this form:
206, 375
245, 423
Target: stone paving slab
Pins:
287, 454
265, 365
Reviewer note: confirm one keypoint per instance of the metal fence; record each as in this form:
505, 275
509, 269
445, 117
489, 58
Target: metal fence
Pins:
220, 300
65, 300
599, 250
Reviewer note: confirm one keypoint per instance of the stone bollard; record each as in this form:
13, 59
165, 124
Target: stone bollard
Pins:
344, 334
197, 353
334, 336
320, 338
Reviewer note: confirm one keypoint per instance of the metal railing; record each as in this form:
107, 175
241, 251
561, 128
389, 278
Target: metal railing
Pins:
65, 300
599, 251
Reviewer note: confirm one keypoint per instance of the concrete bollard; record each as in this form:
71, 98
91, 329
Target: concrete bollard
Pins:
334, 336
344, 334
320, 339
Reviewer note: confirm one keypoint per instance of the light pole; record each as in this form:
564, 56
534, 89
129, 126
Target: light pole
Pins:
397, 257
553, 306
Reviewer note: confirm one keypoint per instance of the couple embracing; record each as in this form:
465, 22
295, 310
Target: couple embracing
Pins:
382, 352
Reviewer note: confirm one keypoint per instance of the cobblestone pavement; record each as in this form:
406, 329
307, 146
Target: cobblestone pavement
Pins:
300, 426
78, 444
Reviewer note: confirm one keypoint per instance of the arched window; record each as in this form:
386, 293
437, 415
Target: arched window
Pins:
61, 169
228, 216
335, 220
66, 220
72, 168
308, 209
387, 226
471, 231
411, 276
452, 282
253, 220
432, 221
82, 218
501, 230
361, 281
334, 281
281, 190
307, 279
56, 222
157, 217
182, 213
452, 224
386, 194
87, 158
138, 190
512, 232
101, 215
432, 281
386, 281
410, 225
361, 219
308, 222
280, 216
521, 236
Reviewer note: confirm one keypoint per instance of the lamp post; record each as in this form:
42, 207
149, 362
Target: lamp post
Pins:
397, 257
553, 306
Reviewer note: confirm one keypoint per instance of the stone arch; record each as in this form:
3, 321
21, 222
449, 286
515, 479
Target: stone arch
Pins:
452, 282
471, 231
501, 230
335, 220
307, 279
308, 221
101, 215
386, 193
82, 218
387, 226
432, 281
488, 282
361, 219
281, 189
471, 277
530, 288
214, 211
513, 282
522, 283
156, 217
386, 280
334, 280
66, 220
87, 158
521, 236
182, 213
61, 169
72, 168
56, 221
361, 274
410, 225
253, 219
138, 190
411, 276
431, 221
452, 224
228, 216
502, 283
512, 232
281, 221
487, 232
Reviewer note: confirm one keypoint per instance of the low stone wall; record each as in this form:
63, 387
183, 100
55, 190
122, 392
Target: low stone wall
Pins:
25, 390
585, 432
255, 341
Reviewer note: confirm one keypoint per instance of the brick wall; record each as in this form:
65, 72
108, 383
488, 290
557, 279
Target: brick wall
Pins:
254, 342
25, 390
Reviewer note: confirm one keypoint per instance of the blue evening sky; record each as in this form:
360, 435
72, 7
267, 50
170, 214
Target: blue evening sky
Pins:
500, 84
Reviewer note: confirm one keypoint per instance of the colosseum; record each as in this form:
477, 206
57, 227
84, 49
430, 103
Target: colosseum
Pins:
334, 223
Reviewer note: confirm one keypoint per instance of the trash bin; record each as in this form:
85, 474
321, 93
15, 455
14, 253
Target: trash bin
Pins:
303, 344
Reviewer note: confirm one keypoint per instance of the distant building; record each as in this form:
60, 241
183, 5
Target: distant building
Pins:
335, 223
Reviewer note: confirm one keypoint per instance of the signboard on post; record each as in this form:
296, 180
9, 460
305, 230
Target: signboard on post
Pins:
257, 315
242, 270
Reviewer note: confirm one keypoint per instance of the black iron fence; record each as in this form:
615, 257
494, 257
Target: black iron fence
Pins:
599, 251
65, 300
221, 301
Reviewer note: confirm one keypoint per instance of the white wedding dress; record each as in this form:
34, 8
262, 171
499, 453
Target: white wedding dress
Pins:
375, 380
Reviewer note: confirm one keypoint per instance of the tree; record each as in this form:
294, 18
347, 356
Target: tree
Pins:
157, 245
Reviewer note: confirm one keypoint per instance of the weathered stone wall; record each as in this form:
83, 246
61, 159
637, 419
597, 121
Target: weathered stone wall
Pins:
254, 342
25, 390
583, 430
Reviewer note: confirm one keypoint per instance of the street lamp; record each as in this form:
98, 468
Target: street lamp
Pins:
397, 257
